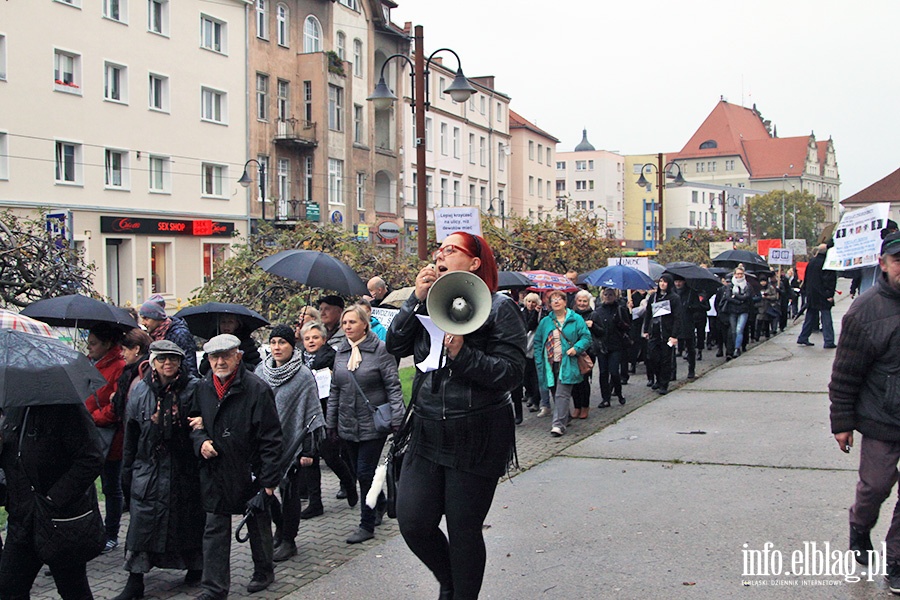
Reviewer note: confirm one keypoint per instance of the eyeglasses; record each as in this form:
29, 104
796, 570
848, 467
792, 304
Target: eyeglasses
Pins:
169, 358
448, 250
220, 356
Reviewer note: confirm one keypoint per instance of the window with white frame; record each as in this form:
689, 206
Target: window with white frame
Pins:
335, 181
483, 104
501, 156
116, 10
499, 112
445, 190
4, 156
160, 269
591, 184
341, 45
456, 186
114, 82
482, 150
283, 101
212, 34
307, 100
472, 148
2, 57
262, 181
283, 182
159, 92
456, 142
68, 162
561, 165
214, 256
335, 108
590, 165
116, 169
357, 58
212, 105
444, 141
549, 193
213, 180
160, 174
66, 71
472, 199
361, 191
712, 166
358, 130
729, 165
530, 150
442, 85
581, 185
540, 154
262, 19
429, 199
540, 187
76, 3
283, 25
692, 219
312, 35
158, 16
472, 104
484, 199
581, 165
351, 4
428, 134
549, 156
560, 185
262, 97
531, 185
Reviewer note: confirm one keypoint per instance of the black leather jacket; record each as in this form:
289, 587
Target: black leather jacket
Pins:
490, 363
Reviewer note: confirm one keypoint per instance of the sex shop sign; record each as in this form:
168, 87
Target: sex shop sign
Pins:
140, 225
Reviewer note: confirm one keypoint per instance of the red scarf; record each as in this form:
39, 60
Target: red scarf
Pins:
222, 386
160, 332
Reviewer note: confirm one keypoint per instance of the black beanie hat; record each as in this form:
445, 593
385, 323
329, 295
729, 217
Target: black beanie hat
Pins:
285, 333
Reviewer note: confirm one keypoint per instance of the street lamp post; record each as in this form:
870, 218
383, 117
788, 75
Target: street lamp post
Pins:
502, 211
245, 181
660, 185
382, 97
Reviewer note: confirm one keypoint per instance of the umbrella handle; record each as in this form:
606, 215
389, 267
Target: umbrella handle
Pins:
241, 525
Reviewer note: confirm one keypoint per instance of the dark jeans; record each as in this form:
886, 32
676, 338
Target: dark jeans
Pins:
427, 492
291, 504
333, 455
610, 374
690, 348
111, 482
364, 457
217, 550
660, 361
809, 323
20, 565
877, 475
581, 392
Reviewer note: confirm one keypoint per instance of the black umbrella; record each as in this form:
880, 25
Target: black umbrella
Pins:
78, 311
732, 258
315, 269
695, 276
512, 279
203, 319
36, 370
719, 271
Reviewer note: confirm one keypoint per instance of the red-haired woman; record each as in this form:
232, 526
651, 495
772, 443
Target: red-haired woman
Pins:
463, 430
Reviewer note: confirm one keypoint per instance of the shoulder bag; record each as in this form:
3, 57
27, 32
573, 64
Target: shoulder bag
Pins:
70, 534
382, 414
585, 362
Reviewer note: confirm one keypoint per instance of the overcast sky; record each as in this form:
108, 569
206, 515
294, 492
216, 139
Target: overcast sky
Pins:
642, 76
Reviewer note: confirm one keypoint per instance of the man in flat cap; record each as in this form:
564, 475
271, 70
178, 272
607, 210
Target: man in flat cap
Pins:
238, 439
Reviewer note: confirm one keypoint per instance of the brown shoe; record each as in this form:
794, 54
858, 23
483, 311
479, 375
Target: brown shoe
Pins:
584, 413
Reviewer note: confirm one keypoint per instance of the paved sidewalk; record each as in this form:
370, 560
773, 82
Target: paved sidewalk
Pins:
622, 510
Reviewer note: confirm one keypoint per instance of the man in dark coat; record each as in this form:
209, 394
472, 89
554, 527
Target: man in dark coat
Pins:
864, 398
694, 329
819, 285
238, 438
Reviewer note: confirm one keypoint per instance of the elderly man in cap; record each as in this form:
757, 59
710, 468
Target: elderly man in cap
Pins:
330, 309
238, 439
160, 326
863, 394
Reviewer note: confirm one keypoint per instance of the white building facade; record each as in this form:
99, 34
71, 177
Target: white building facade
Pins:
592, 181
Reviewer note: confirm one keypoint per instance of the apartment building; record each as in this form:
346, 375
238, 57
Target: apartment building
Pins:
533, 169
591, 181
124, 123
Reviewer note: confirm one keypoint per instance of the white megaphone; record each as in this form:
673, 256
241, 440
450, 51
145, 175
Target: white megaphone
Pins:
459, 302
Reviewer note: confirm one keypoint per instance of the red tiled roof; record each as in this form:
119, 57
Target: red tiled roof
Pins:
774, 157
728, 125
518, 121
886, 189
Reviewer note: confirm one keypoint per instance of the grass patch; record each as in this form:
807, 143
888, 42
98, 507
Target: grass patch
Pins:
406, 381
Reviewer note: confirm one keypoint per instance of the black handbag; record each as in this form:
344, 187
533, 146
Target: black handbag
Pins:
382, 414
69, 534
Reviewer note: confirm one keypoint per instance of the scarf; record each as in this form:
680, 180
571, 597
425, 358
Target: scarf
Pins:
355, 356
222, 386
553, 346
276, 376
160, 332
739, 286
167, 414
308, 358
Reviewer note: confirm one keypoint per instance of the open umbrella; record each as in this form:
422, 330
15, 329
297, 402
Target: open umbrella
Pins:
315, 269
695, 276
203, 319
11, 320
655, 269
732, 258
78, 311
620, 277
511, 279
36, 370
396, 298
545, 281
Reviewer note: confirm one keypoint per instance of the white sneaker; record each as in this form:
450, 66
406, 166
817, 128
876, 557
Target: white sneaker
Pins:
543, 412
556, 431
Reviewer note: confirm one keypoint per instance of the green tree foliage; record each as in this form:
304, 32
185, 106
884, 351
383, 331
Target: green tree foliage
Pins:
692, 245
765, 215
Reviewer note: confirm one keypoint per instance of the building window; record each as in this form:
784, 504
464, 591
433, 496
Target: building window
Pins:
4, 156
692, 221
159, 92
456, 185
159, 271
66, 72
499, 112
590, 165
456, 142
560, 185
429, 201
549, 156
549, 193
472, 198
351, 4
335, 181
283, 182
484, 199
561, 166
361, 191
262, 97
530, 150
540, 154
472, 148
160, 174
283, 101
114, 83
312, 35
591, 184
2, 57
581, 165
262, 183
695, 197
472, 108
531, 185
700, 166
115, 10
357, 58
482, 150
212, 34
428, 134
283, 25
729, 165
712, 166
483, 104
158, 16
262, 19
580, 185
214, 256
68, 162
444, 130
116, 169
501, 156
335, 108
358, 131
212, 105
307, 100
341, 45
444, 191
213, 178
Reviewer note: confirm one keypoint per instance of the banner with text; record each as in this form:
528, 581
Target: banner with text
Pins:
717, 248
460, 218
857, 238
780, 256
641, 263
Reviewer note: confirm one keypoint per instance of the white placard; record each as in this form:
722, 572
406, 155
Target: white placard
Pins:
661, 308
453, 219
797, 246
323, 381
432, 362
780, 256
857, 238
717, 248
385, 315
641, 263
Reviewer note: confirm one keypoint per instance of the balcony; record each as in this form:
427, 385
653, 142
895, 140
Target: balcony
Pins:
295, 133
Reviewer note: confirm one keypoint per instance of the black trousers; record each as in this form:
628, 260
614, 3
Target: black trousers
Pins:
364, 457
217, 536
660, 361
610, 374
581, 392
20, 565
428, 491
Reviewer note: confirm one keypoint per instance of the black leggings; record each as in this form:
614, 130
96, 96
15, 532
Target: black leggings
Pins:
428, 491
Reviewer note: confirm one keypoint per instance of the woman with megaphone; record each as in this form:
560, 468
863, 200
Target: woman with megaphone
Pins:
462, 430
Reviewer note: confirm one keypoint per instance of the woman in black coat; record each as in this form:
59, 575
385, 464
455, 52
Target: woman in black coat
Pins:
61, 457
663, 323
609, 324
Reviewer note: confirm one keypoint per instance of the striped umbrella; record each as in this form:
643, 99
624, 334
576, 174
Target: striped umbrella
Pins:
18, 322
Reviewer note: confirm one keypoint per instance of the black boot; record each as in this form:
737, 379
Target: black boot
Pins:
134, 588
313, 478
517, 408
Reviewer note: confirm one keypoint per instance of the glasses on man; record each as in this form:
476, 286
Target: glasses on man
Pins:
220, 356
448, 250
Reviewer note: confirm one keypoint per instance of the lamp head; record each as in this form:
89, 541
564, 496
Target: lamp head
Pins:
679, 179
382, 97
642, 181
245, 180
460, 90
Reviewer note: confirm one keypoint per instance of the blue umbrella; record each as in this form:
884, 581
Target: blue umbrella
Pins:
620, 277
